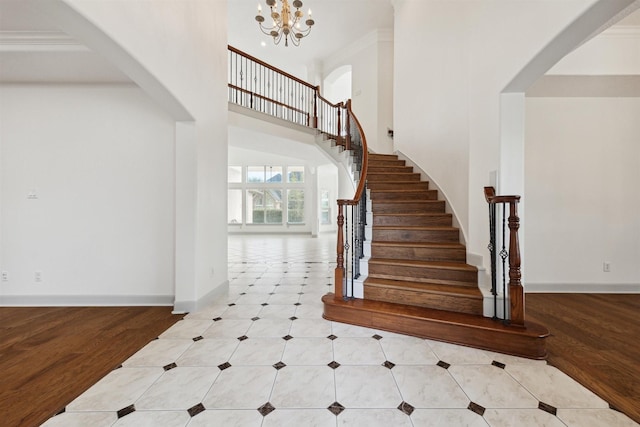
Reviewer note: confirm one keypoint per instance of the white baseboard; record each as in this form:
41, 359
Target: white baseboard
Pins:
191, 306
84, 300
583, 288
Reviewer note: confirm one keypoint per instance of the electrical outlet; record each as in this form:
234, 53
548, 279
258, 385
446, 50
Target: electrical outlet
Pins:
606, 266
38, 276
5, 276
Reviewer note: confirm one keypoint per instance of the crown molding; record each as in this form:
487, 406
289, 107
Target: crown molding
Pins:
39, 41
622, 31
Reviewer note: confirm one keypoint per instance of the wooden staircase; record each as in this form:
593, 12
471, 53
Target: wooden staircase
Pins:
418, 280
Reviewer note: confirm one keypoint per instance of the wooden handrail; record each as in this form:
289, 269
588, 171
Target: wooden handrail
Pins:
365, 155
516, 291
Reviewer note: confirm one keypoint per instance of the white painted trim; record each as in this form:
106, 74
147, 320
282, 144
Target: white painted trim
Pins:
621, 31
85, 300
583, 288
191, 306
39, 41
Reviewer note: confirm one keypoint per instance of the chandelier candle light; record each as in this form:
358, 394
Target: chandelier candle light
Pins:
286, 24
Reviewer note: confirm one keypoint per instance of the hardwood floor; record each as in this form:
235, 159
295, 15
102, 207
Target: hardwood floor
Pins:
594, 339
50, 355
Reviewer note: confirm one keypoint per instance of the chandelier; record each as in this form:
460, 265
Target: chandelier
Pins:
286, 24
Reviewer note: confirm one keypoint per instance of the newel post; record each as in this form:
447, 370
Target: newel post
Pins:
516, 292
339, 272
314, 120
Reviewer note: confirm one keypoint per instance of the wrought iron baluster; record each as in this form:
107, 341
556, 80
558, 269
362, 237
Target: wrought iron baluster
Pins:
504, 254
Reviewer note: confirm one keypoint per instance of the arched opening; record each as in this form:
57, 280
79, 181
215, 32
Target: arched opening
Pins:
337, 84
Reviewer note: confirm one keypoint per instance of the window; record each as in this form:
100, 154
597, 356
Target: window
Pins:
266, 174
264, 206
295, 174
325, 208
295, 206
234, 207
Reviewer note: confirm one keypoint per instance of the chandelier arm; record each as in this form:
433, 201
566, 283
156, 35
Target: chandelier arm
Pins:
286, 23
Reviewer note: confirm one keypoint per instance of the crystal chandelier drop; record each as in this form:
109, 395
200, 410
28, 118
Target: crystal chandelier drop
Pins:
286, 24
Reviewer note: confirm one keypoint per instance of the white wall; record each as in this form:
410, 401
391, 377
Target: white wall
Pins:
582, 161
448, 85
328, 180
100, 160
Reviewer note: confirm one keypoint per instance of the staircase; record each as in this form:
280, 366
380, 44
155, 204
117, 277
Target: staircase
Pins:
416, 255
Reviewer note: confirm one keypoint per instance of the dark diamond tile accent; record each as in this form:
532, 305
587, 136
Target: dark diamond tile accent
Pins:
196, 409
279, 365
243, 293
547, 408
61, 411
169, 367
198, 338
117, 367
287, 337
255, 318
442, 364
126, 411
233, 303
332, 337
224, 366
335, 408
333, 365
498, 364
242, 338
300, 293
298, 303
293, 318
217, 319
272, 293
277, 284
614, 408
406, 408
388, 364
377, 337
266, 409
264, 304
251, 285
156, 338
474, 407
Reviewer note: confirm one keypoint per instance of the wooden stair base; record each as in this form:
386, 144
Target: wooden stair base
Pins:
455, 328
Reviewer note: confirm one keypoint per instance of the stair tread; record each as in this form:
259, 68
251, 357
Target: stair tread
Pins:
415, 227
407, 200
444, 265
425, 286
428, 214
442, 245
401, 190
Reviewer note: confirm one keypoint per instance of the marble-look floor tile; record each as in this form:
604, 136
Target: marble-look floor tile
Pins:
159, 352
154, 419
429, 387
277, 311
492, 387
351, 331
373, 417
521, 417
310, 328
515, 360
93, 419
358, 351
119, 389
227, 418
594, 418
284, 299
208, 352
241, 387
178, 389
304, 387
299, 418
242, 311
459, 355
554, 387
309, 312
408, 351
187, 328
449, 418
269, 328
209, 312
231, 328
366, 387
308, 351
258, 351
252, 299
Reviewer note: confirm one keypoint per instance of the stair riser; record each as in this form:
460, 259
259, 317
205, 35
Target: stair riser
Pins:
382, 177
414, 207
386, 163
404, 195
460, 304
443, 220
389, 169
399, 235
423, 254
412, 185
423, 274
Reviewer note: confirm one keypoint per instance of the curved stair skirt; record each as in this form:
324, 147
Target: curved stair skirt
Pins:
339, 155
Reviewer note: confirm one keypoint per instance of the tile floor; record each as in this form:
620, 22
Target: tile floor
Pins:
265, 357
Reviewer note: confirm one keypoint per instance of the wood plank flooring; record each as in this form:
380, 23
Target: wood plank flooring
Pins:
595, 340
50, 355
